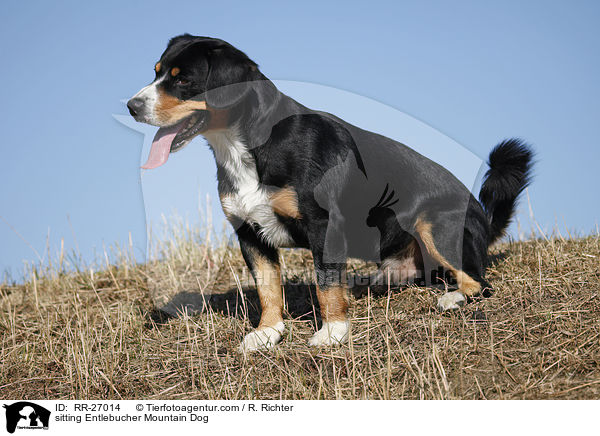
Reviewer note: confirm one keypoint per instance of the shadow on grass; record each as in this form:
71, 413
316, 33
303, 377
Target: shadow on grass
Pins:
495, 259
300, 299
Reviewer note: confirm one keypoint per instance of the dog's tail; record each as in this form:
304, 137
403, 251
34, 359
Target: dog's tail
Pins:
509, 174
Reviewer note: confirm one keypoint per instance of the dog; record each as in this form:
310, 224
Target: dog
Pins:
289, 176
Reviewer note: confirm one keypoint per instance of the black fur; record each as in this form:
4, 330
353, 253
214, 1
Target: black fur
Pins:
509, 174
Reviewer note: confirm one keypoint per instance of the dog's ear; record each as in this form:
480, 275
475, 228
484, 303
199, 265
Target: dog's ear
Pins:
229, 78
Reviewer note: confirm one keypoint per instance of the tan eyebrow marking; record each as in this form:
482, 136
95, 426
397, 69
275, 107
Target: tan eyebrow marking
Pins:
157, 67
175, 71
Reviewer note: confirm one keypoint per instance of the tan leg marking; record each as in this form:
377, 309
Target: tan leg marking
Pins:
285, 203
466, 285
334, 303
334, 313
268, 283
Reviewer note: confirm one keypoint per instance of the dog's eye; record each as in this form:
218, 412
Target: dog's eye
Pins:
182, 82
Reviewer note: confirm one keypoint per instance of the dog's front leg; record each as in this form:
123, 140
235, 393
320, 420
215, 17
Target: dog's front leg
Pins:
333, 300
329, 255
263, 261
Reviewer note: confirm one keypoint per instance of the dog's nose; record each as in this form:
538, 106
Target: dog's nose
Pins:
135, 106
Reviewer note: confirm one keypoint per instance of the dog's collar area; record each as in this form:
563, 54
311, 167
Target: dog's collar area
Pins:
219, 119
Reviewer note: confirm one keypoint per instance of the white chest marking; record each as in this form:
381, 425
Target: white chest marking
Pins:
250, 200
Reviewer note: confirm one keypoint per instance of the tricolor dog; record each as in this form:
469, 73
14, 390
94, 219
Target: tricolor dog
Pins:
289, 176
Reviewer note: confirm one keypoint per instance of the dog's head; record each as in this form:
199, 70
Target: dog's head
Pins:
198, 82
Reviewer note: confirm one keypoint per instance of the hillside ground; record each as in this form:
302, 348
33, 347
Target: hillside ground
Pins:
96, 334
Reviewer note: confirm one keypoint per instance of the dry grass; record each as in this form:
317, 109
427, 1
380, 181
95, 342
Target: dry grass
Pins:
87, 334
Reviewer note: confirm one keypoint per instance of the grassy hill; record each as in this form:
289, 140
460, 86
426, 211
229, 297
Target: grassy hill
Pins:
95, 333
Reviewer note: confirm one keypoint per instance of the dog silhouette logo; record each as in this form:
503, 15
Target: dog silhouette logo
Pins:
26, 415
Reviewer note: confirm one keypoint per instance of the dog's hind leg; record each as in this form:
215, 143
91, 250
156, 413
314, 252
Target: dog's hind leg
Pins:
445, 247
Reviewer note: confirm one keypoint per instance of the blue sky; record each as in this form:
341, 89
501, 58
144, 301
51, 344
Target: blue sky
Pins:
476, 72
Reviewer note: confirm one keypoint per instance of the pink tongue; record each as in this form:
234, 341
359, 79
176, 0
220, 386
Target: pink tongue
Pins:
161, 146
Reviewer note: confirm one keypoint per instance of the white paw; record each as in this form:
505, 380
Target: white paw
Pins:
451, 301
262, 339
332, 333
